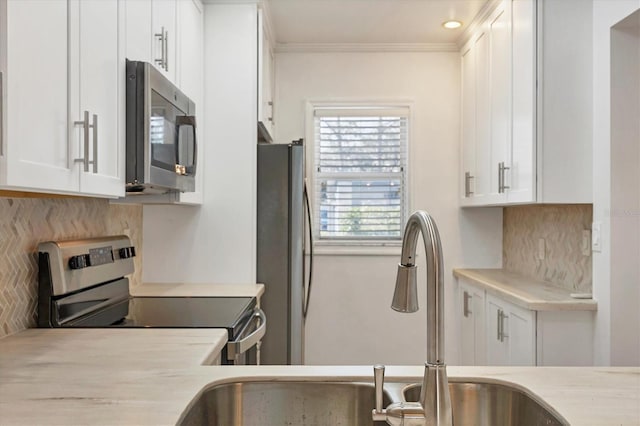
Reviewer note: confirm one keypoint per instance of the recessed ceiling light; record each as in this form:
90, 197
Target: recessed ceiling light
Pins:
452, 25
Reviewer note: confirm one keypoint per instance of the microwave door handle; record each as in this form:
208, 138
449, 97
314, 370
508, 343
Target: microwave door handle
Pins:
241, 346
188, 120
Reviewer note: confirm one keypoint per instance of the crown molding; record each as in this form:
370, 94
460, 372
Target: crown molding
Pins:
478, 20
364, 47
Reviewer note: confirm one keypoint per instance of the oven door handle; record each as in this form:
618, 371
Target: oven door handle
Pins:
241, 346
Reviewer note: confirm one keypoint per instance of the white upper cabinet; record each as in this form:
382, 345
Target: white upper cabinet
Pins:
96, 95
191, 81
164, 32
266, 79
35, 144
522, 172
139, 32
564, 133
170, 35
152, 33
486, 109
43, 146
499, 31
468, 133
538, 112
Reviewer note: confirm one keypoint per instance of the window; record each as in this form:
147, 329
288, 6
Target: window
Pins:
360, 159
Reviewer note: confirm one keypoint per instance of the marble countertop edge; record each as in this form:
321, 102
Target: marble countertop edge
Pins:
526, 292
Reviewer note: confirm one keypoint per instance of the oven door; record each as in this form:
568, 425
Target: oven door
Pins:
244, 349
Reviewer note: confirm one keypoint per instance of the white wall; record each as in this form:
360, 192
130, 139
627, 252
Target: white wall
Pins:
615, 279
217, 241
350, 319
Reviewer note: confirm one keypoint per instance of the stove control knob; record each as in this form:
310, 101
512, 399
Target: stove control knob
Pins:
79, 262
127, 252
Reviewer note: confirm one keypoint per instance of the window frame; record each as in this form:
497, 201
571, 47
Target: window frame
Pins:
355, 246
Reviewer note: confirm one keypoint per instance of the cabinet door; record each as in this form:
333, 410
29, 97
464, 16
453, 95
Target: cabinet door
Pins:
139, 34
523, 145
482, 179
190, 71
265, 78
496, 340
37, 154
520, 328
467, 327
500, 99
164, 36
510, 334
471, 304
468, 124
97, 81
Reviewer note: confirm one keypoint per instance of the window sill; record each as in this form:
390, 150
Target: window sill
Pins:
357, 249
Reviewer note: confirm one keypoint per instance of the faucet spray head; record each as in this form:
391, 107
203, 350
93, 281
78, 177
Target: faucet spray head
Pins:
405, 296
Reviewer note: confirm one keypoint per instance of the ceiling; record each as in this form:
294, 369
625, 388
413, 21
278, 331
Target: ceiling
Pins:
369, 21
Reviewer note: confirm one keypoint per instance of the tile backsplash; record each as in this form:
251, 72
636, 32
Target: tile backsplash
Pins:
561, 228
25, 222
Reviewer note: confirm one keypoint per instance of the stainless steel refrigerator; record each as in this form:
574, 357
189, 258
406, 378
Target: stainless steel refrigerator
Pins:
281, 267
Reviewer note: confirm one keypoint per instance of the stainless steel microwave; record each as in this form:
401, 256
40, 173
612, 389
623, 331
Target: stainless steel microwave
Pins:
160, 133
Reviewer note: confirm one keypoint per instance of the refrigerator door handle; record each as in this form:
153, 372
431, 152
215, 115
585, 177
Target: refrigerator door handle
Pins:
307, 289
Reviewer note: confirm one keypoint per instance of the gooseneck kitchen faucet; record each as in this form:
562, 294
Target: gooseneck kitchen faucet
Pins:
434, 407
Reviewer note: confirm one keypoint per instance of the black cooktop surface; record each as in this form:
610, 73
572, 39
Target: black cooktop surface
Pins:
189, 312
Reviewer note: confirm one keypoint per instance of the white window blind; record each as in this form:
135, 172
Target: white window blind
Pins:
360, 173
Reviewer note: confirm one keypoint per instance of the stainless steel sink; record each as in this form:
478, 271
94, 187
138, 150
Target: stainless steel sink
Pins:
320, 403
283, 403
478, 403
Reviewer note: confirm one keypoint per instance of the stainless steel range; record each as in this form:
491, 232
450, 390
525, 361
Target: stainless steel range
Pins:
83, 283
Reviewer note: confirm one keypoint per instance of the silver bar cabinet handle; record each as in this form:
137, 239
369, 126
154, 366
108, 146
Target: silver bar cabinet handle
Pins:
160, 37
85, 132
95, 143
503, 169
270, 103
467, 184
501, 185
165, 53
466, 310
501, 318
502, 333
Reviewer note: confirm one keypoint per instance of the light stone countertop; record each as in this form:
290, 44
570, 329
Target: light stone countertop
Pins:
148, 377
525, 292
197, 290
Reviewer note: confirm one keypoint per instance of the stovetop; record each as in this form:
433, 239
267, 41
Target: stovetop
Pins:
189, 312
83, 283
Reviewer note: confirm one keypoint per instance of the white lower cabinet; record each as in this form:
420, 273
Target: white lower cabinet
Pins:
472, 345
494, 331
510, 333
